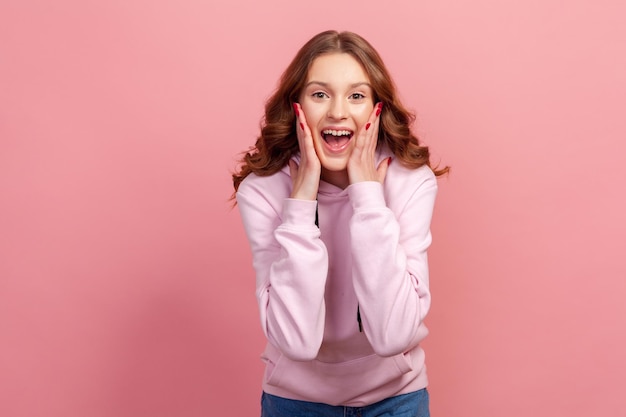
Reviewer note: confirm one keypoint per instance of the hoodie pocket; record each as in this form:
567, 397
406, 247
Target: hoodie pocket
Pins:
338, 382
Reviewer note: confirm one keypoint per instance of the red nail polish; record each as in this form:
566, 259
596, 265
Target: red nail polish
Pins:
389, 161
302, 126
367, 126
295, 108
378, 112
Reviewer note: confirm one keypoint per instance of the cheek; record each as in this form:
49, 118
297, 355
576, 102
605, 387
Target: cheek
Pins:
363, 115
313, 114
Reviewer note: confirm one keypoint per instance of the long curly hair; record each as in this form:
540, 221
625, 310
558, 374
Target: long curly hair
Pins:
278, 141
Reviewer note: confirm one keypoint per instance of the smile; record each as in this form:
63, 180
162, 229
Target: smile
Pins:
337, 140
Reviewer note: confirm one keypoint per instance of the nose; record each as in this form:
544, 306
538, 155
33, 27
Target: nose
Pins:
337, 110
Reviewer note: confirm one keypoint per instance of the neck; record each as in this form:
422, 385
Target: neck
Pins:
337, 178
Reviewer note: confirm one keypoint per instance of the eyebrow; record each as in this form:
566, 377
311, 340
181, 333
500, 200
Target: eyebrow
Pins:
326, 85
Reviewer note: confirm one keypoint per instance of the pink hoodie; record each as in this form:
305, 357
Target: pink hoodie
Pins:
369, 251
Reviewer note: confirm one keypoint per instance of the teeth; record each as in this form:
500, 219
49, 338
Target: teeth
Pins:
337, 132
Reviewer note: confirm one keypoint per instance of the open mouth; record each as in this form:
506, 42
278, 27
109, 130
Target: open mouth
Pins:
337, 140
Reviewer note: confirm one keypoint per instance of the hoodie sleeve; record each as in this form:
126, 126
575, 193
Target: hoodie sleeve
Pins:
291, 265
390, 274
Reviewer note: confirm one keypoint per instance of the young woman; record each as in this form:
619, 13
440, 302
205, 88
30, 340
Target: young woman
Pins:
336, 200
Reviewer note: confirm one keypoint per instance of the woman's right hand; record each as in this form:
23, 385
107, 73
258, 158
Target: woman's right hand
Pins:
306, 176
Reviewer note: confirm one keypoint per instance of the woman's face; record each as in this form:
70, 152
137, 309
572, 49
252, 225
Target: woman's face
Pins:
337, 101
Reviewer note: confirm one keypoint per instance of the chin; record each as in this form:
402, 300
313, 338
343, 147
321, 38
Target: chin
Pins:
334, 164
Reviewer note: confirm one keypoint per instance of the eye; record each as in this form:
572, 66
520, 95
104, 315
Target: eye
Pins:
319, 95
357, 96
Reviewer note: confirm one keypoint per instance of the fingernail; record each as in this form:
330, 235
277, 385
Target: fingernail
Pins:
389, 161
380, 108
367, 126
295, 108
302, 126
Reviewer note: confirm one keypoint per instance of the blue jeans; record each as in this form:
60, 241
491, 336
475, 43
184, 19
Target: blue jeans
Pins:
413, 404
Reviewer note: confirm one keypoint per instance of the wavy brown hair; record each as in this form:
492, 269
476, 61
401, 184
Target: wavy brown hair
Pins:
278, 141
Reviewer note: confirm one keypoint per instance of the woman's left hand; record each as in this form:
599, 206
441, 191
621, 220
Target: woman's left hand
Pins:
362, 162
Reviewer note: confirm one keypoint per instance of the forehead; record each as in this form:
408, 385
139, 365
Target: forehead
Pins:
337, 68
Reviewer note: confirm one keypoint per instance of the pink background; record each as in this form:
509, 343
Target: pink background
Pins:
126, 287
